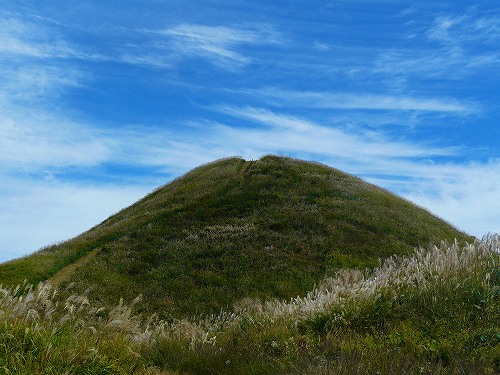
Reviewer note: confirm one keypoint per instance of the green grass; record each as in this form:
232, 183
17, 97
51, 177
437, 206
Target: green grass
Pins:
233, 229
43, 264
434, 312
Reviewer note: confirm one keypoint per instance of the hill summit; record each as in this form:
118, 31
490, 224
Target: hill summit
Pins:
233, 229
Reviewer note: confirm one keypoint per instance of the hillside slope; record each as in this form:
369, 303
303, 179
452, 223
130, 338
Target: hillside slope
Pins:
234, 229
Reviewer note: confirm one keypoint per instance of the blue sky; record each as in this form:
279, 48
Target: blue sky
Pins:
103, 101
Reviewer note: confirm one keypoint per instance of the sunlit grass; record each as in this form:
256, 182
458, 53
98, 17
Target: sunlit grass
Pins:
435, 312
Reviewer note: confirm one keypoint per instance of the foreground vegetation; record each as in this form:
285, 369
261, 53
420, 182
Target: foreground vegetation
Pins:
232, 229
435, 312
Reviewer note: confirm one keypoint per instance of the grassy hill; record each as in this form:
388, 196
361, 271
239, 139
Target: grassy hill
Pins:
435, 312
235, 229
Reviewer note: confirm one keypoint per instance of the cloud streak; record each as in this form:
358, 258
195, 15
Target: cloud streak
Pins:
219, 44
466, 195
22, 38
457, 30
454, 46
351, 101
51, 211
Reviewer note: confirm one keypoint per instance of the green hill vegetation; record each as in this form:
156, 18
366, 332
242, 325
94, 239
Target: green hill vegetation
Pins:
234, 229
434, 312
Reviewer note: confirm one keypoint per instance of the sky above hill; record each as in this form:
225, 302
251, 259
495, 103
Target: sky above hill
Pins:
103, 101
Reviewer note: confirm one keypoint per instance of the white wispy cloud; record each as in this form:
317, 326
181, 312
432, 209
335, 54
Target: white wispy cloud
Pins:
17, 38
488, 28
441, 28
36, 83
451, 64
290, 133
44, 212
37, 38
25, 38
364, 101
219, 44
458, 30
467, 195
32, 143
460, 45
